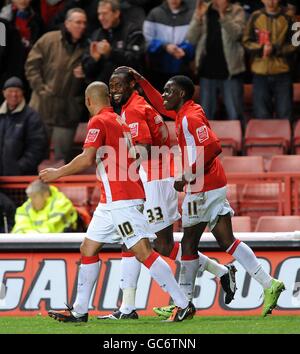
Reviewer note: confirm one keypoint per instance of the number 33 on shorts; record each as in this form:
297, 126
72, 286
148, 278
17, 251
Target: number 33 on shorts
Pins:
155, 215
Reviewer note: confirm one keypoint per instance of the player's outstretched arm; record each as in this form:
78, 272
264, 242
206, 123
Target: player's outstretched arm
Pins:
79, 163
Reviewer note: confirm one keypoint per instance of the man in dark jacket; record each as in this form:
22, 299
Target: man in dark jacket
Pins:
116, 43
23, 139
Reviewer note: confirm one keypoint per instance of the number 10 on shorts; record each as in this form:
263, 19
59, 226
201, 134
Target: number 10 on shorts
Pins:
126, 229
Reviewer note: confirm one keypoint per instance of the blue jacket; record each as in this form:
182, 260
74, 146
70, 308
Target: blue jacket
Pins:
163, 27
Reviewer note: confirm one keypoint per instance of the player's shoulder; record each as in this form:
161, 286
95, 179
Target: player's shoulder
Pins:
196, 114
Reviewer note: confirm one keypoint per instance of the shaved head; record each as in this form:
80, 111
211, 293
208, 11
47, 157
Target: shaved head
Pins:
97, 91
97, 96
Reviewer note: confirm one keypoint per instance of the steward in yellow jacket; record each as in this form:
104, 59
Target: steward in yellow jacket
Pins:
46, 211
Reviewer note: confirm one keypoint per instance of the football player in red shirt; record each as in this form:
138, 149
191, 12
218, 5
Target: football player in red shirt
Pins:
149, 131
205, 201
108, 142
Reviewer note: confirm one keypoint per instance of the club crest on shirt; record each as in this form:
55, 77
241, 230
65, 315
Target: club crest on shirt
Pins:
202, 133
134, 129
92, 135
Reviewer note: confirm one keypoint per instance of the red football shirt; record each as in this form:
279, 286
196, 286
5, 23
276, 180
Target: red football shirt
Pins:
145, 123
193, 132
192, 129
116, 168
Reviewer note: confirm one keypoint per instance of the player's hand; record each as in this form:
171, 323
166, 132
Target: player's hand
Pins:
49, 174
94, 51
180, 183
137, 76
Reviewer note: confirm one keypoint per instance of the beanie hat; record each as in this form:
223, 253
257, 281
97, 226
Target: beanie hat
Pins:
13, 82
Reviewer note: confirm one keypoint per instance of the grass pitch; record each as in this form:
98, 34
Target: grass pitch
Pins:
153, 325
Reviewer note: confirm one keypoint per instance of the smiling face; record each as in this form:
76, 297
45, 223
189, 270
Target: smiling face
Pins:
121, 88
172, 96
108, 17
76, 25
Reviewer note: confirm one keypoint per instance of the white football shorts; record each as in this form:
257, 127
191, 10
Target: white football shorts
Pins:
205, 207
126, 224
161, 206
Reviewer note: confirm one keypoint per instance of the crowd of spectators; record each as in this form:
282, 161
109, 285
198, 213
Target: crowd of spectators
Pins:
55, 48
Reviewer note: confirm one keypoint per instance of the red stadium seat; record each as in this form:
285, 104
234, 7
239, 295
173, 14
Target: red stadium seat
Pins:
78, 195
278, 224
266, 138
248, 164
230, 134
288, 164
241, 223
285, 163
240, 164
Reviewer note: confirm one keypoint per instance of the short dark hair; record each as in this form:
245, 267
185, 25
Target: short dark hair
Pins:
186, 84
115, 4
125, 72
74, 10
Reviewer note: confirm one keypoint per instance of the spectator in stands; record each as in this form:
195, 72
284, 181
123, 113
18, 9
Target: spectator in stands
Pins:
21, 15
132, 10
216, 30
58, 18
54, 71
49, 9
165, 29
46, 211
23, 139
7, 213
23, 27
268, 38
116, 43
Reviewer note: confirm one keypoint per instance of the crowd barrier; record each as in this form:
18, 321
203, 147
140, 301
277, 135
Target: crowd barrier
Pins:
39, 272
